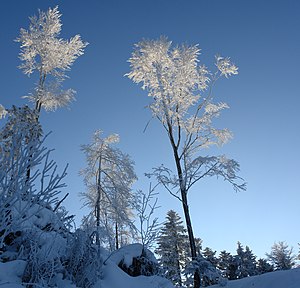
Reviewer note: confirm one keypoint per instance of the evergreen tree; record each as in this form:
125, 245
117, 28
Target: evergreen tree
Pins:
227, 265
246, 262
210, 256
263, 266
172, 247
250, 262
208, 273
281, 256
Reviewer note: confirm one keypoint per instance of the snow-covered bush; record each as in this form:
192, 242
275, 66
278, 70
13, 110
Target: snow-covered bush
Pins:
208, 273
32, 225
136, 260
83, 262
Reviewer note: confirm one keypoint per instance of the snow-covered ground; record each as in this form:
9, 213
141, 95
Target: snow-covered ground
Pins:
114, 277
277, 279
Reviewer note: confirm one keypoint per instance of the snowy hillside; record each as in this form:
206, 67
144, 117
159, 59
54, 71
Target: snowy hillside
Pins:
278, 279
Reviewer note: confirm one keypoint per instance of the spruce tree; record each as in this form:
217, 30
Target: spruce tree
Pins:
227, 265
172, 247
246, 262
263, 266
210, 256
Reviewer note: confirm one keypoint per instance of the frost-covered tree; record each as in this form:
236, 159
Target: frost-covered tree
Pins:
108, 176
43, 52
147, 226
19, 133
181, 90
33, 226
172, 247
3, 112
281, 256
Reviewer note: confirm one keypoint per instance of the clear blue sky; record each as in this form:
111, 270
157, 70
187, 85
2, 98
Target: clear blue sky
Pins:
261, 37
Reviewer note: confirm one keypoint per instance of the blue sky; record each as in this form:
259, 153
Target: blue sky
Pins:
261, 37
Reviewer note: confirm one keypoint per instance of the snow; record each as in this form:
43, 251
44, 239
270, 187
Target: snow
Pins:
127, 253
11, 273
277, 279
114, 277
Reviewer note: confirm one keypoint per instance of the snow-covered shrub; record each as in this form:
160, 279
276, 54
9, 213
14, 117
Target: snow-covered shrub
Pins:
43, 256
208, 273
32, 225
82, 261
136, 260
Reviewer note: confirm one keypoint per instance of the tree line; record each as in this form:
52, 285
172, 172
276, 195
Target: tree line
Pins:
175, 258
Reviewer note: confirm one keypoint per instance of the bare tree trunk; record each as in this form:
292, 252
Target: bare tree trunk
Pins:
97, 208
38, 106
117, 236
185, 206
178, 268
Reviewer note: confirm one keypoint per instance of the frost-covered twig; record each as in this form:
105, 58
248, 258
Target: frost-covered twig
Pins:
146, 206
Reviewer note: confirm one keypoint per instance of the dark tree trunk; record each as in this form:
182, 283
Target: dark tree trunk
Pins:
117, 236
97, 208
185, 206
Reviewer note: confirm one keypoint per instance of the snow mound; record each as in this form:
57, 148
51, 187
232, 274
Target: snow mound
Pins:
114, 277
127, 253
277, 279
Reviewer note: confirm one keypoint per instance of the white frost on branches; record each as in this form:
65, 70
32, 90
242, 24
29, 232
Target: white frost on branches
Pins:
225, 66
181, 89
52, 96
175, 80
3, 112
170, 75
43, 51
109, 176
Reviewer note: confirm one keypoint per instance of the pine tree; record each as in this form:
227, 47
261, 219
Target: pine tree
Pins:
227, 265
246, 262
263, 266
250, 262
208, 273
210, 256
281, 256
172, 246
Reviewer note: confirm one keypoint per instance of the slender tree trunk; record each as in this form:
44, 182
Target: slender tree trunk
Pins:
178, 267
117, 236
97, 208
38, 106
185, 206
